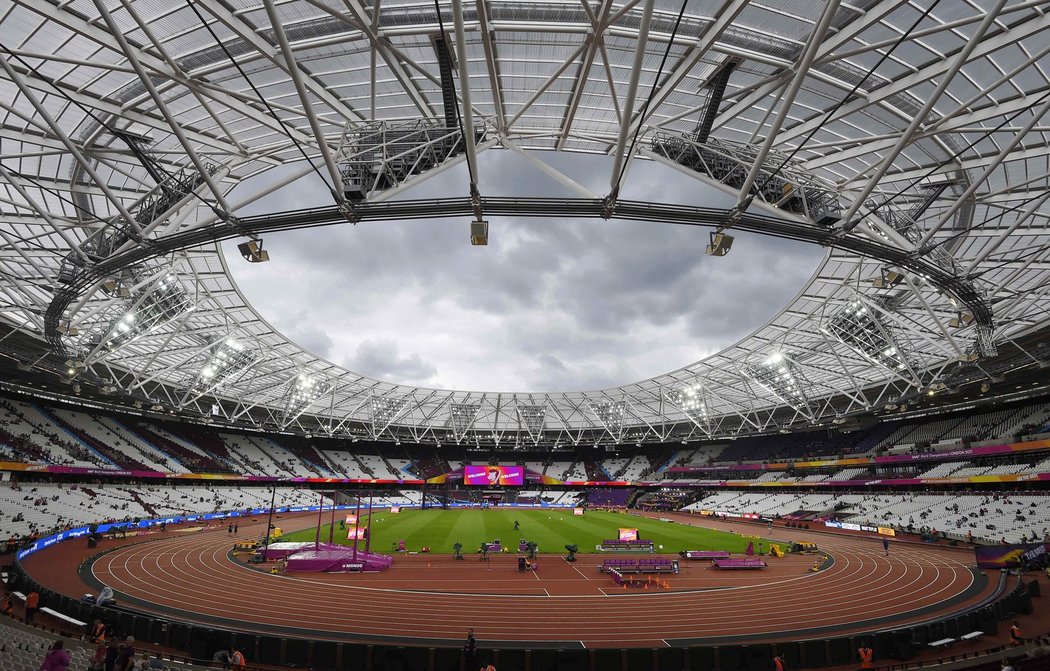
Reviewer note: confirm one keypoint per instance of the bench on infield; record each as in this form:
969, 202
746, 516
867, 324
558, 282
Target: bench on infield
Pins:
624, 566
616, 545
708, 555
738, 563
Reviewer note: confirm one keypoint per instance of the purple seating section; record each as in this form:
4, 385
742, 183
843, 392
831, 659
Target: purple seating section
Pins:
621, 566
613, 498
706, 554
739, 563
616, 544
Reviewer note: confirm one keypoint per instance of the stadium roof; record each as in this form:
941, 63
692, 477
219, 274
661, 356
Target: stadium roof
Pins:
910, 138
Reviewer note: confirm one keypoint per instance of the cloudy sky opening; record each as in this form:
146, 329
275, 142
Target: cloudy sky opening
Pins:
549, 305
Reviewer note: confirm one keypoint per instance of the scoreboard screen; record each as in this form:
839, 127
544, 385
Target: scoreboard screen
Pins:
493, 475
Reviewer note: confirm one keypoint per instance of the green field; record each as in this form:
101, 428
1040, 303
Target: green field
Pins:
551, 529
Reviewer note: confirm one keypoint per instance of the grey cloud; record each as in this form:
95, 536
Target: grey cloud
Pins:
550, 304
381, 359
306, 332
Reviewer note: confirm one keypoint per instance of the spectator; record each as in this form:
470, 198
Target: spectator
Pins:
222, 658
237, 660
32, 606
470, 649
126, 655
1015, 634
98, 660
57, 658
98, 632
866, 655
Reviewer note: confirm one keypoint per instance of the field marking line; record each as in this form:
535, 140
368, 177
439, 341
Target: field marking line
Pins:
582, 574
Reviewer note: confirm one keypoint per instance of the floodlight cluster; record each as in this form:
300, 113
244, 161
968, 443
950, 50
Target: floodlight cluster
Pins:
385, 410
610, 414
860, 328
782, 376
161, 303
463, 416
693, 401
303, 391
532, 417
228, 357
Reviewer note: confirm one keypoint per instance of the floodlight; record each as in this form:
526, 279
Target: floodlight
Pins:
887, 279
479, 232
252, 251
961, 320
115, 288
720, 244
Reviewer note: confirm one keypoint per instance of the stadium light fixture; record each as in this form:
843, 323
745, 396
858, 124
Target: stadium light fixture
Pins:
479, 232
863, 330
719, 245
228, 357
779, 374
887, 279
253, 252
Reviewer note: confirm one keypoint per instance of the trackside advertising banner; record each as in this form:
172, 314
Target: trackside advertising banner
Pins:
1010, 556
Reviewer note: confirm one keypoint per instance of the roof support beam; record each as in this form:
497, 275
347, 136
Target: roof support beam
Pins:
582, 78
301, 89
942, 69
919, 117
70, 146
1004, 152
492, 65
173, 123
464, 94
725, 16
632, 90
251, 37
812, 45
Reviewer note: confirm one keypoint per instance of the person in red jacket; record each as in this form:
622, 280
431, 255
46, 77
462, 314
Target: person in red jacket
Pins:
32, 606
237, 660
866, 655
1015, 634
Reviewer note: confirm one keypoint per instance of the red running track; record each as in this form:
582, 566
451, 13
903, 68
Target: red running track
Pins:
433, 599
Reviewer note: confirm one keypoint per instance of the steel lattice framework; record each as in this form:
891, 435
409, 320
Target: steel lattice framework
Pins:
909, 137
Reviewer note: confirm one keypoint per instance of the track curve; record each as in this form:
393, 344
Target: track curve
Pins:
434, 599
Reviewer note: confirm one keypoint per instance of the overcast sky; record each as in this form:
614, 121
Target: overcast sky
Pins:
548, 305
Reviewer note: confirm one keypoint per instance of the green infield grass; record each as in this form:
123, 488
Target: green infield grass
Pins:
551, 529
